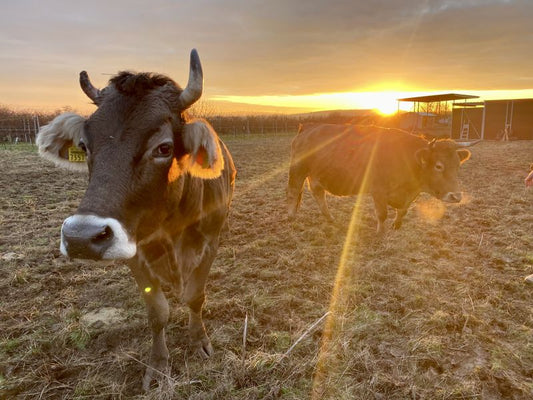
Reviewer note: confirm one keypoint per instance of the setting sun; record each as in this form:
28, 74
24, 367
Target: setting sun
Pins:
383, 102
386, 109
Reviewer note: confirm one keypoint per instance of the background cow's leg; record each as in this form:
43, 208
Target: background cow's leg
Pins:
158, 312
320, 196
400, 213
380, 206
294, 190
196, 256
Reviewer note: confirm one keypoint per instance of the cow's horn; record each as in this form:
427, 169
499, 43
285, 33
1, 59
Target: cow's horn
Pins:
93, 93
432, 143
194, 88
468, 144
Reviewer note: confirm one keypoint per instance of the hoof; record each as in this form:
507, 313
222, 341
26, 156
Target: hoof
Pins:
204, 348
153, 374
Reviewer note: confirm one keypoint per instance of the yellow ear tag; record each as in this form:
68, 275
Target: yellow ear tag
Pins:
75, 154
147, 289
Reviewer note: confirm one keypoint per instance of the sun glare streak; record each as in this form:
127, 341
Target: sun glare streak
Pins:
342, 279
261, 179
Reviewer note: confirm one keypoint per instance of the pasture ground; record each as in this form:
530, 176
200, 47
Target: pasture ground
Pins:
437, 310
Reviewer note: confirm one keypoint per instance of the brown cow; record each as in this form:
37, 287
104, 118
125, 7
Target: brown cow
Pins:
160, 187
392, 165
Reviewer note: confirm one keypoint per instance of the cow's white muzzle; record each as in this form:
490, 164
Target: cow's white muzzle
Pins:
97, 238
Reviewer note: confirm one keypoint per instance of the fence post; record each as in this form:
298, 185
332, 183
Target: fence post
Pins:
35, 126
24, 129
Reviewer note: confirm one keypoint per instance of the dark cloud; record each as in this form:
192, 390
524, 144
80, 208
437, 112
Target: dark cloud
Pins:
252, 47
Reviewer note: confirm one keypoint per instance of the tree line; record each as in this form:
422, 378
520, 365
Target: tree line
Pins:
23, 126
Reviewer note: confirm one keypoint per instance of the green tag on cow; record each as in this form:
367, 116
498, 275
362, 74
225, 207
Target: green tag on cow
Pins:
75, 154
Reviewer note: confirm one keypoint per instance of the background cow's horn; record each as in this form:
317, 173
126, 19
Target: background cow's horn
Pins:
432, 143
468, 144
93, 93
194, 88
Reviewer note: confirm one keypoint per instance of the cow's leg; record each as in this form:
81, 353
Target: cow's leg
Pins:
320, 196
295, 190
400, 213
194, 296
402, 207
158, 312
380, 206
196, 256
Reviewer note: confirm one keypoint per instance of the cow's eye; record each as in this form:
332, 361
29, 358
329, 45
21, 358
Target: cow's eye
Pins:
163, 150
439, 167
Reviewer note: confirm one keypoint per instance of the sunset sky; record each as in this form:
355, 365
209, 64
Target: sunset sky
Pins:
277, 55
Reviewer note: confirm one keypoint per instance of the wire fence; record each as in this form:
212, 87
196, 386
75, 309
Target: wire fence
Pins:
18, 127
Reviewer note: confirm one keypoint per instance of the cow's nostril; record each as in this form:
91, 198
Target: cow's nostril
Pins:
105, 234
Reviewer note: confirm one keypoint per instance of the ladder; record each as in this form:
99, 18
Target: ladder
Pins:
506, 132
465, 131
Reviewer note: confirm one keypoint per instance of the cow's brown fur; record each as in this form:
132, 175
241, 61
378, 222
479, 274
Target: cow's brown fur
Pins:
392, 165
139, 84
172, 208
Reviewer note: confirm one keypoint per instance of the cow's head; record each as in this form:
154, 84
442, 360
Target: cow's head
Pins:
440, 162
138, 145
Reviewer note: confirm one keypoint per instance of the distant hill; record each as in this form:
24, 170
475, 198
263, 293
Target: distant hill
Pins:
338, 113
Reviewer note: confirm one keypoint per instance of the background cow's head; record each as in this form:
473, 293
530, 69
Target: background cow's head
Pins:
138, 144
440, 163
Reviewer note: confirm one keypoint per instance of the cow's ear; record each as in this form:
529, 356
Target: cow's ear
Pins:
423, 157
203, 148
464, 155
58, 141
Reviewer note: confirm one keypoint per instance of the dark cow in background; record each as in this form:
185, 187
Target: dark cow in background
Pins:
160, 187
392, 165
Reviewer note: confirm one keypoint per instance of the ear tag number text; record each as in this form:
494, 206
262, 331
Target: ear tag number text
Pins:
75, 154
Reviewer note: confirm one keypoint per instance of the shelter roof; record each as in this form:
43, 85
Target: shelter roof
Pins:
470, 104
502, 100
422, 113
439, 97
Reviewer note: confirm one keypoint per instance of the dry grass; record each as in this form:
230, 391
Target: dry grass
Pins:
438, 310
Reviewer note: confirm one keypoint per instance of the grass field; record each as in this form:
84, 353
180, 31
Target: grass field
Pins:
436, 310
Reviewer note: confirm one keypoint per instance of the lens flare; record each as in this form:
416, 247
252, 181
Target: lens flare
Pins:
343, 279
430, 210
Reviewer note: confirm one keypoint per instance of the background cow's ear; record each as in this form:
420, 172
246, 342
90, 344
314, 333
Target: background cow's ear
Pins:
422, 157
55, 139
203, 148
464, 155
